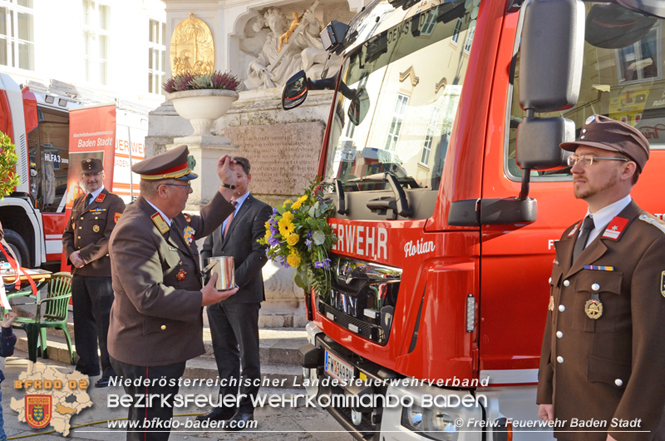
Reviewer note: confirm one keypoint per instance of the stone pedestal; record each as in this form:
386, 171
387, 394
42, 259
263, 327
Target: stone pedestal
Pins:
284, 306
164, 124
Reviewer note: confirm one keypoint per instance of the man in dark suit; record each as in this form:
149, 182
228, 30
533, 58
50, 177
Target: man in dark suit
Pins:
86, 244
234, 323
603, 353
156, 319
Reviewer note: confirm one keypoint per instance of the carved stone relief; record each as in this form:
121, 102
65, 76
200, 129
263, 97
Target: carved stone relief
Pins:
289, 45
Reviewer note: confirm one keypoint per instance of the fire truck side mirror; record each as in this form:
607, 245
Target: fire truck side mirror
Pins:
295, 91
550, 71
538, 142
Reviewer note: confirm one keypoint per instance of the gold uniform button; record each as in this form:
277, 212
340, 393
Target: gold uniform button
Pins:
80, 228
79, 237
81, 217
96, 218
163, 327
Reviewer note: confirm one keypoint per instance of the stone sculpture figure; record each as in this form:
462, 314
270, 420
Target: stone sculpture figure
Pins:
303, 50
286, 35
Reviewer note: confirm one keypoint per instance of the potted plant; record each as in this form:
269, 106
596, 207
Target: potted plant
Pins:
202, 99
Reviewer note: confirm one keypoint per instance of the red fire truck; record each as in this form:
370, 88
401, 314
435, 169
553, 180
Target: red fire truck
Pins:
446, 218
33, 216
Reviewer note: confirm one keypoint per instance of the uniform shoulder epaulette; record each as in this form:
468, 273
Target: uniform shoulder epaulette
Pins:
160, 223
653, 221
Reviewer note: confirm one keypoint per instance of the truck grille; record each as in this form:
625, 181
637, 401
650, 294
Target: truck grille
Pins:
363, 298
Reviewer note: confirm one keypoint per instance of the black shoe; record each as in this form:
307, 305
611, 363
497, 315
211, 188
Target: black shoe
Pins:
217, 414
240, 421
102, 382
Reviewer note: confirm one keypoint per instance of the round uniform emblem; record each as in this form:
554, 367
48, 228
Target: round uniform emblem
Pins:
593, 309
95, 228
590, 119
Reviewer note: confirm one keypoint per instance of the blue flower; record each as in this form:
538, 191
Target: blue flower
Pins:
273, 241
282, 261
326, 263
308, 243
318, 264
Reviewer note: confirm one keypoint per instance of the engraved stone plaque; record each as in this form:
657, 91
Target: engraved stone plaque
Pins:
284, 157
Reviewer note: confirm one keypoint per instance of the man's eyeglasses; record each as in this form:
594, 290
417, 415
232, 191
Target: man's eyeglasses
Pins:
588, 160
179, 185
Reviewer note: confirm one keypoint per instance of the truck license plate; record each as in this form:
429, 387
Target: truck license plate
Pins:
337, 368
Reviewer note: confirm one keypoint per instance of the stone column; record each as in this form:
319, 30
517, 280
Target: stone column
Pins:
284, 306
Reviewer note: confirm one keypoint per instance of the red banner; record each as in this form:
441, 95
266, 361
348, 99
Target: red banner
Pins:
92, 133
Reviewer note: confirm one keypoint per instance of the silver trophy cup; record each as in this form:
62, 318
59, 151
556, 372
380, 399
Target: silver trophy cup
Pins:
224, 267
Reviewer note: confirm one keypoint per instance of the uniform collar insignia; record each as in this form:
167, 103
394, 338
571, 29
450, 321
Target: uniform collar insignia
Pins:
100, 198
615, 228
159, 221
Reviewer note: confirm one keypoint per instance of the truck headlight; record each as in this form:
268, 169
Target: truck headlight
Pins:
433, 423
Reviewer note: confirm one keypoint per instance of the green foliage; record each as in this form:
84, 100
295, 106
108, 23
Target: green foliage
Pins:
8, 158
300, 237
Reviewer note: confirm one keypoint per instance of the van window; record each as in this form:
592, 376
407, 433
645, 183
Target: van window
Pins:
622, 79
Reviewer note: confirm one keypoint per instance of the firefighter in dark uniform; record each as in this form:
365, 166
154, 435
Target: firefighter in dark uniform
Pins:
602, 366
156, 319
86, 243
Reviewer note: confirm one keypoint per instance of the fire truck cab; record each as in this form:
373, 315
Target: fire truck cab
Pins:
441, 154
35, 211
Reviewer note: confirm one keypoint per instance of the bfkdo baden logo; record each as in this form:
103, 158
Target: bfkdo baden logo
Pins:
51, 397
38, 410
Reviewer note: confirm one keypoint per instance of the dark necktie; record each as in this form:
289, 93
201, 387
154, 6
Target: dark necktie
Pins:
587, 226
88, 199
230, 218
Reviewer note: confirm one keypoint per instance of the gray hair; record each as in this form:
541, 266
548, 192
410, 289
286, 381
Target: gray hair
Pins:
149, 188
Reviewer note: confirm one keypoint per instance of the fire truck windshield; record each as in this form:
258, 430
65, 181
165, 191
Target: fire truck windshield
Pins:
394, 112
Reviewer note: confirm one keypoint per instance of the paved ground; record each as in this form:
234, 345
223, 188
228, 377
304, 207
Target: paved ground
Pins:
280, 423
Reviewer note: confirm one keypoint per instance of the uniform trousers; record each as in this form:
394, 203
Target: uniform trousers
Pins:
92, 298
150, 413
235, 338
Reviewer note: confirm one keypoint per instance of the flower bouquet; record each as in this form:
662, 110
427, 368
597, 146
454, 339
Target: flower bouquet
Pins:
299, 236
